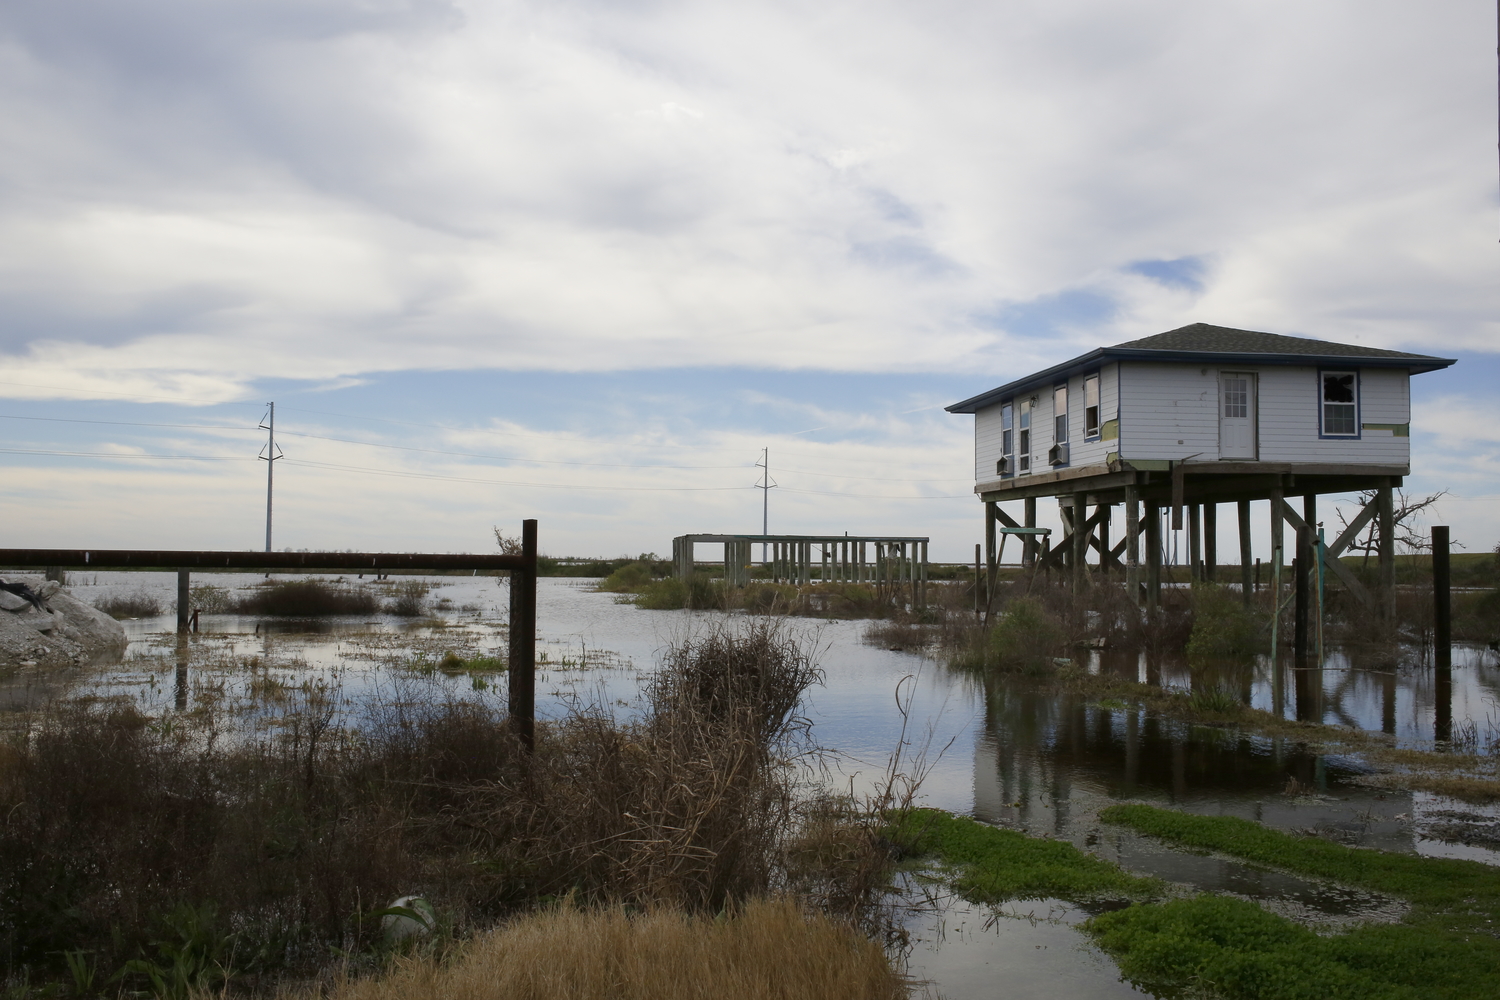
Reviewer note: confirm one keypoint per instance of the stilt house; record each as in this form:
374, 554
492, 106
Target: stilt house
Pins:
1192, 418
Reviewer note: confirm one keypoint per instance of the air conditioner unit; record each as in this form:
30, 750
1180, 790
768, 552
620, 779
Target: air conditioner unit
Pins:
1058, 454
1002, 467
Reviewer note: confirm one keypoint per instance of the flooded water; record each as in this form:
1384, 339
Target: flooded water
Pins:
1001, 752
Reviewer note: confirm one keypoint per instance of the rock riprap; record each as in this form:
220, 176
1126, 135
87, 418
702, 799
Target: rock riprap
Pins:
69, 633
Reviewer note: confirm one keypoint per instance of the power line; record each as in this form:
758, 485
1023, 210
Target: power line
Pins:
501, 482
880, 496
461, 479
115, 454
130, 395
467, 454
128, 423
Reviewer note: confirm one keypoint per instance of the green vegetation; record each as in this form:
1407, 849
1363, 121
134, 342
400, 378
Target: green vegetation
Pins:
306, 598
452, 664
1222, 627
1446, 947
140, 604
1026, 637
628, 579
698, 594
408, 599
992, 865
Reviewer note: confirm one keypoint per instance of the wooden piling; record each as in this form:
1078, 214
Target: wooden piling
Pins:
1195, 543
1386, 515
1442, 598
522, 668
1442, 637
1080, 567
1028, 548
1153, 556
1211, 542
1104, 511
1133, 543
184, 598
1301, 573
991, 551
1247, 582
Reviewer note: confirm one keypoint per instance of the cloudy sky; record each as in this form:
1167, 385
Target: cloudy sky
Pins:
583, 261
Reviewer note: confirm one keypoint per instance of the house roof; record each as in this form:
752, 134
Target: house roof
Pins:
1202, 342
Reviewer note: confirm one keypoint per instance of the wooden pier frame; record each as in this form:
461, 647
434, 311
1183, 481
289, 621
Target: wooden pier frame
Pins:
892, 561
1199, 487
522, 569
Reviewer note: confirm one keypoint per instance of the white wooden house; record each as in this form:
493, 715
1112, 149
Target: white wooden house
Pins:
1198, 415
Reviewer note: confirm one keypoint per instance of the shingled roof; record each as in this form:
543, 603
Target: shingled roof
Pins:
1202, 342
1205, 338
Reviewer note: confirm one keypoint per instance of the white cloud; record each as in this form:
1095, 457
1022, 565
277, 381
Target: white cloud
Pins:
261, 189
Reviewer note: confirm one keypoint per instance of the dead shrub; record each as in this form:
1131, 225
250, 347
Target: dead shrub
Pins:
278, 842
764, 948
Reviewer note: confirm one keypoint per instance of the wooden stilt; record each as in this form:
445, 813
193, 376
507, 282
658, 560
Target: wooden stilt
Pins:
1080, 547
1387, 518
1195, 544
1102, 512
1211, 542
1028, 550
1132, 543
1153, 556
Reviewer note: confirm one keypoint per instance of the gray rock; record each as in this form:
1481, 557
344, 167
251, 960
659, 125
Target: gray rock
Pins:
74, 633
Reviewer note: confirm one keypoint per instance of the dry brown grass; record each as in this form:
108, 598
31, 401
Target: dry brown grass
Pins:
281, 842
767, 948
1466, 788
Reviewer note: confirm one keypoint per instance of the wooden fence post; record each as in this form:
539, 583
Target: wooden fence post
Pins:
522, 671
184, 598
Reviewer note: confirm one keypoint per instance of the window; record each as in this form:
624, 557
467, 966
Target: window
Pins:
1023, 444
1091, 406
1340, 404
1060, 414
1236, 397
1007, 441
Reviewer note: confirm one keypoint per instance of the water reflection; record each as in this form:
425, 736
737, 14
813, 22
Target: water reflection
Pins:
1409, 700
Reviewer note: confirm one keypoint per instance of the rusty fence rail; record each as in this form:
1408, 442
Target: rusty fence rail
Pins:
522, 568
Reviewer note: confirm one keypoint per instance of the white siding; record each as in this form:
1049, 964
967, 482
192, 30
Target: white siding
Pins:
1171, 411
988, 440
988, 429
1168, 412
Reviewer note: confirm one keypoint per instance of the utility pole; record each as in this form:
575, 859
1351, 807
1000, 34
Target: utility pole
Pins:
269, 455
765, 498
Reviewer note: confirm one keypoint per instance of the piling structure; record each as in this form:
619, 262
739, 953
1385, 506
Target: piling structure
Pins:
898, 562
1187, 420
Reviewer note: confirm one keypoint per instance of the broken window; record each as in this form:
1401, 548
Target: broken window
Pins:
1340, 404
1091, 406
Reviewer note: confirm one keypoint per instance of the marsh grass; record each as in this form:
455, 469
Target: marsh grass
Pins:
283, 834
305, 599
990, 865
762, 949
408, 599
1446, 947
1223, 628
140, 604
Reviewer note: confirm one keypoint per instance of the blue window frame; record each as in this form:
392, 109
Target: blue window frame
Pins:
1338, 404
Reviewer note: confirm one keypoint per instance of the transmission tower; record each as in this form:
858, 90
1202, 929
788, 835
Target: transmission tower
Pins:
766, 485
269, 454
